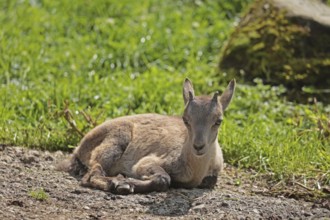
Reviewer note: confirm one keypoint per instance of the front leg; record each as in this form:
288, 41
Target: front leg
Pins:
157, 183
209, 182
215, 168
148, 177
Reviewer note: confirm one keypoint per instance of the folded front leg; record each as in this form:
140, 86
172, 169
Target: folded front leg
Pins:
209, 182
159, 181
148, 177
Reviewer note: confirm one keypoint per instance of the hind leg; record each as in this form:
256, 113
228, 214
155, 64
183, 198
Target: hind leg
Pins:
102, 159
100, 150
97, 179
153, 178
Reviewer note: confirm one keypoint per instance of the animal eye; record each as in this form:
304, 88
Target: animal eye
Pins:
218, 122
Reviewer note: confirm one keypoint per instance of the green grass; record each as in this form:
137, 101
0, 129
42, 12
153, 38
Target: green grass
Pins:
38, 194
112, 58
265, 133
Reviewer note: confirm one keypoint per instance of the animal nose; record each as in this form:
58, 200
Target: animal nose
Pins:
199, 147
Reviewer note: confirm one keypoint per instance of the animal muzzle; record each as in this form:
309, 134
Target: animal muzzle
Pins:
199, 147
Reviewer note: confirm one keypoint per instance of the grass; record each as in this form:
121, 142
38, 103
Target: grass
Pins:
38, 194
103, 59
282, 138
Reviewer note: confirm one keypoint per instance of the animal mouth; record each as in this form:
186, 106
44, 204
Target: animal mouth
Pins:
199, 153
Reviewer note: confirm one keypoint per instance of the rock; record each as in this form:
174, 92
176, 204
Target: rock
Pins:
16, 203
58, 154
28, 159
6, 158
34, 153
282, 42
2, 147
198, 207
225, 204
49, 157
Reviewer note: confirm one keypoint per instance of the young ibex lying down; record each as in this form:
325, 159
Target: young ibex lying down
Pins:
151, 152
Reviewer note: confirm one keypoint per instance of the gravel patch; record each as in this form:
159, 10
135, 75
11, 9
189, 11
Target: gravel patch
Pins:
23, 171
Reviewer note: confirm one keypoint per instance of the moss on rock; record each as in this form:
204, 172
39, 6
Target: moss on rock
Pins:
280, 49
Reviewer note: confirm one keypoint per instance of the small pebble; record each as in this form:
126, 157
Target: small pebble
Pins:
29, 159
198, 207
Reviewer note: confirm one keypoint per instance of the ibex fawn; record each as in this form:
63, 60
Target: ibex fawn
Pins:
151, 152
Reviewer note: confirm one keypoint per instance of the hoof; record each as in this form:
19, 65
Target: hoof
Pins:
164, 184
124, 189
209, 182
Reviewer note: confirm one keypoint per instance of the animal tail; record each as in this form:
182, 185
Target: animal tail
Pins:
73, 166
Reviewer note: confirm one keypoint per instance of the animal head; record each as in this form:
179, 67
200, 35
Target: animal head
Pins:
203, 115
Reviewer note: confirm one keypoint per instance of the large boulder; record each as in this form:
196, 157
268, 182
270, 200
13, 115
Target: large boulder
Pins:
282, 42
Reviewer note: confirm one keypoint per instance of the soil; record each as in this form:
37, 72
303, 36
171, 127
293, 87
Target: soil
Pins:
24, 172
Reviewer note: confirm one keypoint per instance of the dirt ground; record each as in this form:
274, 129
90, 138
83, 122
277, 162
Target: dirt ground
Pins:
24, 171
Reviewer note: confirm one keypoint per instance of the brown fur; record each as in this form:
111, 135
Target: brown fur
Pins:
150, 152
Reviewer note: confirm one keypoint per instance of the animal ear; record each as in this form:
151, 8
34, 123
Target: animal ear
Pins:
227, 94
215, 97
188, 91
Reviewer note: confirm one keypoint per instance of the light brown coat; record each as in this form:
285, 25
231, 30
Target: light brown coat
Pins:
151, 152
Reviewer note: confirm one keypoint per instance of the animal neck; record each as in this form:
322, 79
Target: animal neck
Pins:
196, 166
